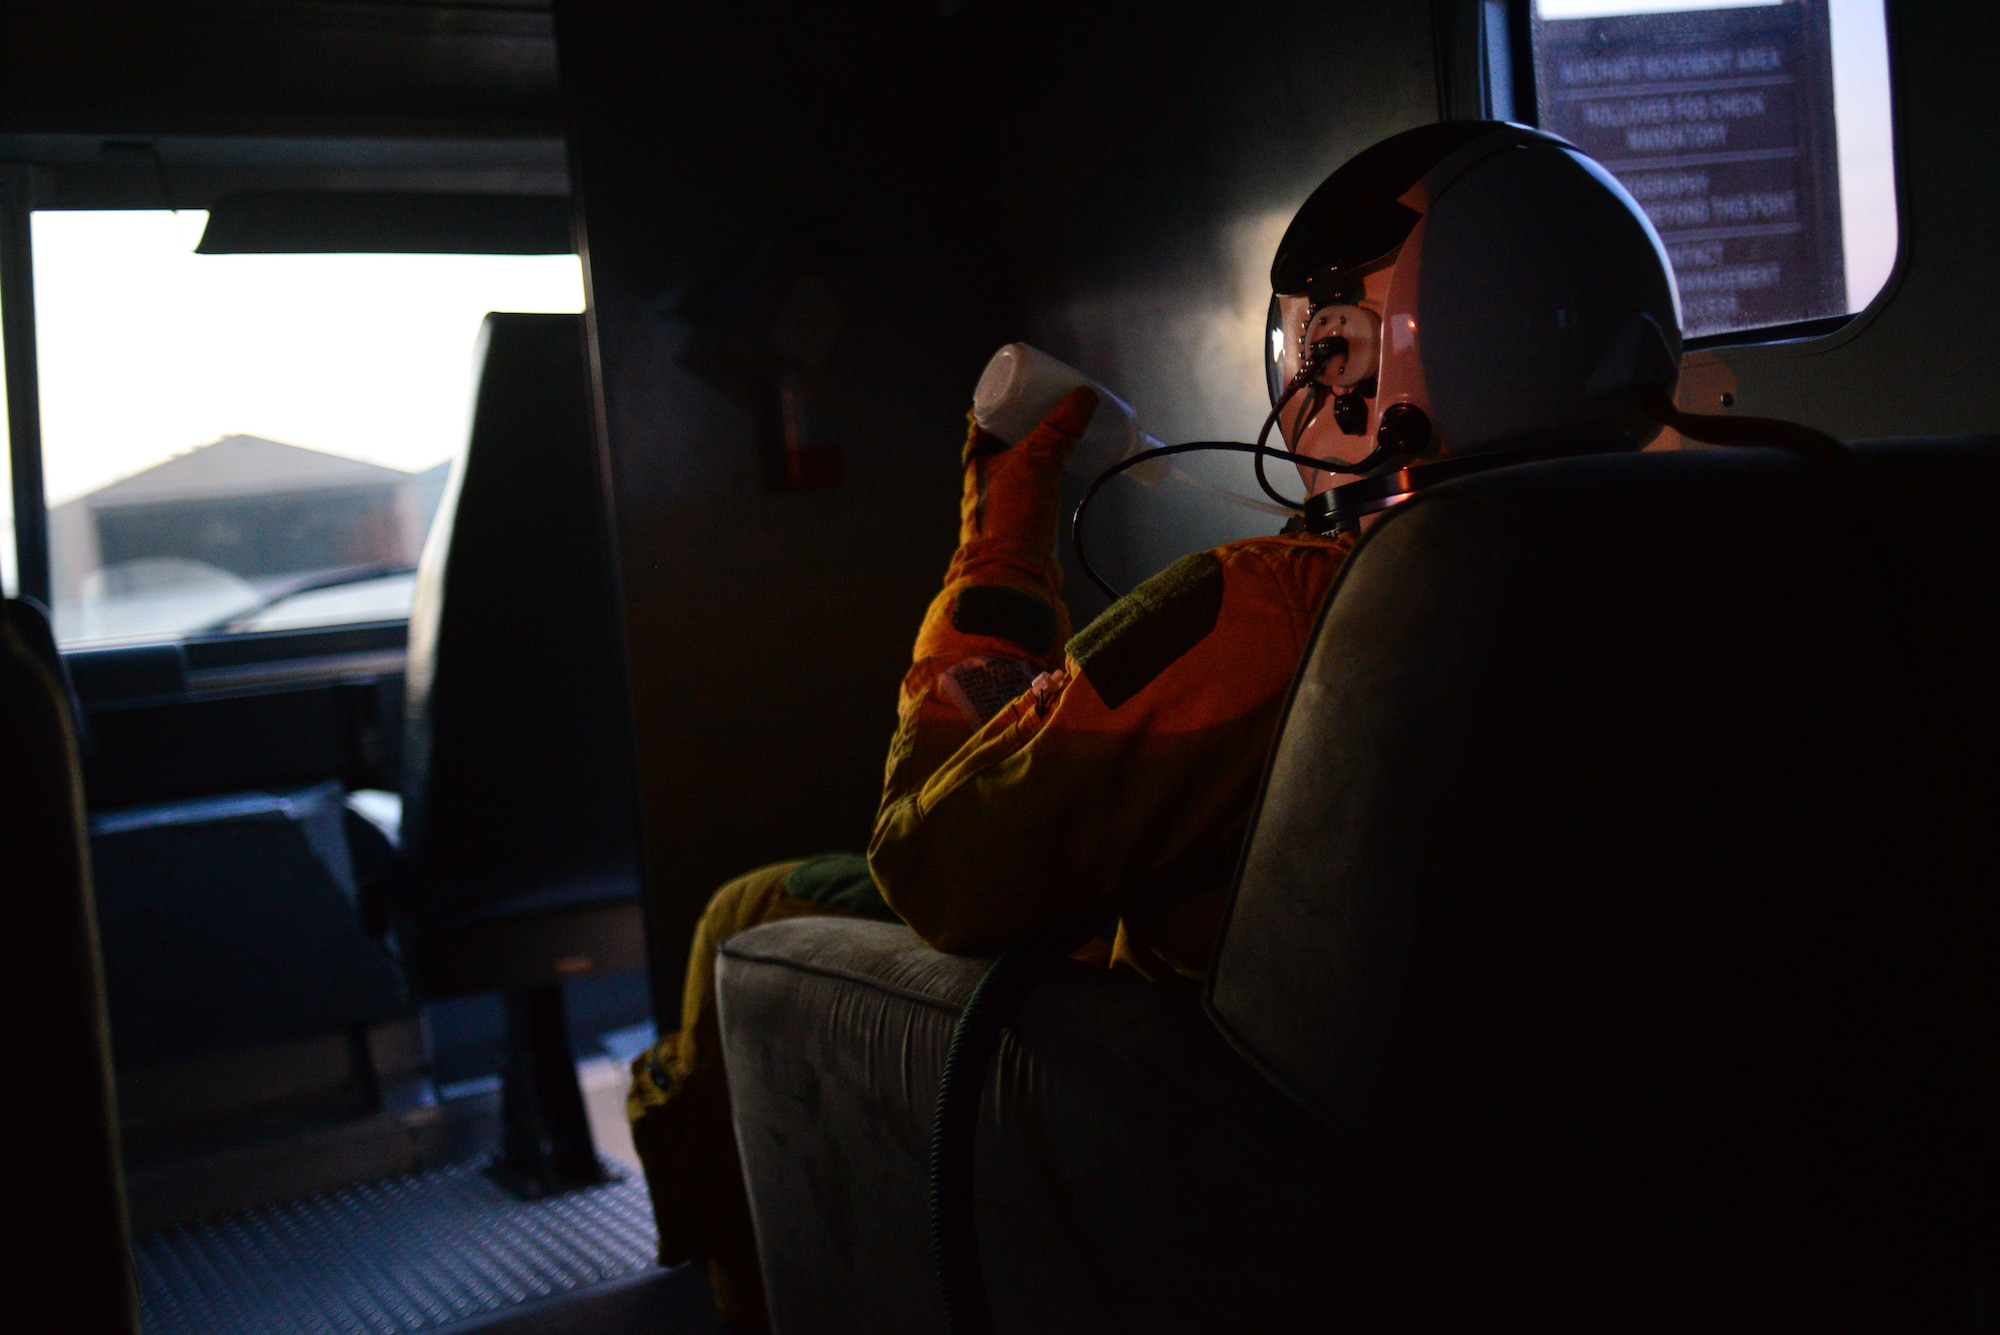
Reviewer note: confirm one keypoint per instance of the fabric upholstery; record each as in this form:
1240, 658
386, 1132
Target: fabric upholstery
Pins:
678, 1102
1605, 885
1133, 1173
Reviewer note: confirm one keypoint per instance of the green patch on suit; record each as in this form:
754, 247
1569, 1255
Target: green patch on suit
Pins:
839, 880
1142, 634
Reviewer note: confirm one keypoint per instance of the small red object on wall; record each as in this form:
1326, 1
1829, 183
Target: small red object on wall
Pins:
806, 459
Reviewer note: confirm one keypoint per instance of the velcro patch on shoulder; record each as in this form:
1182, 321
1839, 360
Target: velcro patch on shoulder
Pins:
1006, 613
1142, 634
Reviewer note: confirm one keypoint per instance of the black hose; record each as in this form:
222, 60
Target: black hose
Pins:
955, 1129
1747, 432
1261, 452
1264, 434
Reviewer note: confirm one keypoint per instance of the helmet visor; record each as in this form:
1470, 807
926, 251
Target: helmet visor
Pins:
1279, 367
1284, 342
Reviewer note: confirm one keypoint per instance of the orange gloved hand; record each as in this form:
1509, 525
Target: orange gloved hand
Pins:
1008, 508
1002, 592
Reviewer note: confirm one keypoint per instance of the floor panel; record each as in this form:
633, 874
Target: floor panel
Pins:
417, 1253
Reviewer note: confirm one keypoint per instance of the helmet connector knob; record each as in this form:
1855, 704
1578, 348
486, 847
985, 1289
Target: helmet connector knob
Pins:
1405, 429
1350, 413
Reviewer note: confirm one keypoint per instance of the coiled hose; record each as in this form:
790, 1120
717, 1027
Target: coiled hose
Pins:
955, 1129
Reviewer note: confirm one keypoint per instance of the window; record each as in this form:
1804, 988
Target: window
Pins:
10, 574
250, 442
1755, 134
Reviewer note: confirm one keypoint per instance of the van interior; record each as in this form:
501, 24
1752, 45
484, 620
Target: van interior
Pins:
476, 468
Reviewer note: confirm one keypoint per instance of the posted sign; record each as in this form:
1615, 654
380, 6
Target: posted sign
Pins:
1720, 123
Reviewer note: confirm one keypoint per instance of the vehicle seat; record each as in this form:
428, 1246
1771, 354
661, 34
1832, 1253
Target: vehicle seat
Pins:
60, 1121
1595, 961
37, 634
520, 821
232, 920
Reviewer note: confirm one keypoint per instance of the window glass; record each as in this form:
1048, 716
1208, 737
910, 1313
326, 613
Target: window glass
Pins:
250, 442
1755, 134
10, 567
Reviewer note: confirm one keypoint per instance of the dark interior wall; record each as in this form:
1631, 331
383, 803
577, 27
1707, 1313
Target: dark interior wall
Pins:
1146, 166
767, 630
1108, 184
144, 67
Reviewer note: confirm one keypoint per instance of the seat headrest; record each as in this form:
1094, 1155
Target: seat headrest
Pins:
1613, 716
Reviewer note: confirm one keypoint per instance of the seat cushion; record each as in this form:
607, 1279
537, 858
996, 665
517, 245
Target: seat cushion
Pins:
1132, 1171
547, 940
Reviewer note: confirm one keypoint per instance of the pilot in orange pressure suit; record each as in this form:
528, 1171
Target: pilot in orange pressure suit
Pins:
1040, 778
1119, 784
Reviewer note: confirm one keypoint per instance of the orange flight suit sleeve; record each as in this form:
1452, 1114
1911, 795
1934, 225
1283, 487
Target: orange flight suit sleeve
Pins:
1000, 619
1121, 783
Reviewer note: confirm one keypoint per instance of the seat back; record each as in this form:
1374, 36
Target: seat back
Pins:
1609, 888
37, 635
520, 788
232, 920
60, 1121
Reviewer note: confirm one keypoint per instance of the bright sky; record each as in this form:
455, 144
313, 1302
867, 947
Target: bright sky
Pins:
1862, 125
148, 349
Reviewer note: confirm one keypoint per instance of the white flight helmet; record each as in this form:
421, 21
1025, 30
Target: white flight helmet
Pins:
1528, 310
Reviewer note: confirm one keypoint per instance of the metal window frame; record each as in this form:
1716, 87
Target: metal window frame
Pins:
24, 411
1481, 47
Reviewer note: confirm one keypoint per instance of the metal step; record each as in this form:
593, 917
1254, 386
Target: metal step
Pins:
425, 1252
